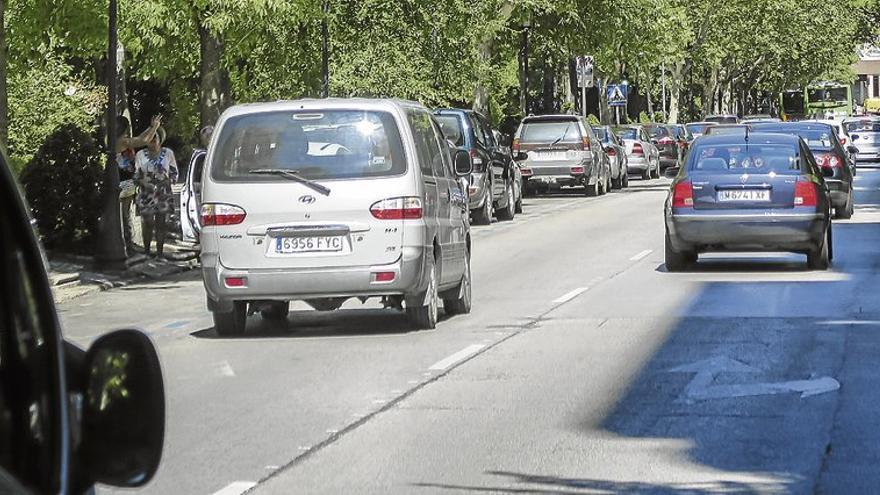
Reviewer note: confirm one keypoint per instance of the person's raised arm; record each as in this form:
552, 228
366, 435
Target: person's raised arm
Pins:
145, 137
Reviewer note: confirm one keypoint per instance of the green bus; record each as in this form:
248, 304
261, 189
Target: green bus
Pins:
818, 100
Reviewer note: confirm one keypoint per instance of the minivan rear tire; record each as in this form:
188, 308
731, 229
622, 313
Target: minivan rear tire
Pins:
508, 212
275, 310
424, 315
231, 323
483, 216
460, 303
593, 190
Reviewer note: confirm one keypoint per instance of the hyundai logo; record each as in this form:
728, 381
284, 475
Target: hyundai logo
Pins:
307, 199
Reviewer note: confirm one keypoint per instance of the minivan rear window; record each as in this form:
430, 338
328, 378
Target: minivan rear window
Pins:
317, 144
741, 158
550, 131
451, 127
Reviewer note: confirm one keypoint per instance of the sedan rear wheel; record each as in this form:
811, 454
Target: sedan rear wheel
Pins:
847, 211
677, 261
819, 258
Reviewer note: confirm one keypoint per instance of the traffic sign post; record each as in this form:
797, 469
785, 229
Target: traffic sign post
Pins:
616, 95
584, 66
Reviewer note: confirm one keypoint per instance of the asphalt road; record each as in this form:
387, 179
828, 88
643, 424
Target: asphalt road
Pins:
584, 368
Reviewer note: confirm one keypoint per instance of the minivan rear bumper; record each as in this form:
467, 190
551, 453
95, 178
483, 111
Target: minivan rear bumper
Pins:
287, 284
745, 231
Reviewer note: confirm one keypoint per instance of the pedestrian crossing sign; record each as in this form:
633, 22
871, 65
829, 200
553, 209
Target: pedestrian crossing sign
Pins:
617, 95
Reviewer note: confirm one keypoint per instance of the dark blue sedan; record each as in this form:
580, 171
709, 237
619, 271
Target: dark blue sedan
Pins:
751, 192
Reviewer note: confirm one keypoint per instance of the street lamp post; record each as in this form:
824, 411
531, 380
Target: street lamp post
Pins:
524, 84
110, 252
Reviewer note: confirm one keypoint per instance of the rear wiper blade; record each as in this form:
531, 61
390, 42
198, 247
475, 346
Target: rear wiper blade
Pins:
560, 138
293, 175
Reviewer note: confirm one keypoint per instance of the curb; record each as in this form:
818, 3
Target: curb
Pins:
69, 286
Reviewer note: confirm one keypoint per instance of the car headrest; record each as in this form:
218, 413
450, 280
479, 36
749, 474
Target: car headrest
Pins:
712, 163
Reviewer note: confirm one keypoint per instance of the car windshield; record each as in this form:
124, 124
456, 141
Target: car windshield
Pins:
724, 129
627, 132
826, 94
740, 157
550, 131
320, 144
862, 126
451, 127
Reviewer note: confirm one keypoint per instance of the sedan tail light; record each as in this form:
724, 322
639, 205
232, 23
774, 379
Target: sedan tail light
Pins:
221, 214
683, 195
407, 208
665, 140
843, 141
526, 172
805, 194
611, 152
828, 160
585, 144
638, 150
515, 146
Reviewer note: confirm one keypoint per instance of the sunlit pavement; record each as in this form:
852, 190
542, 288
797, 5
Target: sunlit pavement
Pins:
584, 368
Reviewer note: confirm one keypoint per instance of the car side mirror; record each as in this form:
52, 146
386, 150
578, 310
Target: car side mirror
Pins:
521, 156
123, 410
463, 163
671, 172
827, 172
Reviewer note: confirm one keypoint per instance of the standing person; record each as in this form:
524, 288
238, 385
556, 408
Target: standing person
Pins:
126, 145
155, 171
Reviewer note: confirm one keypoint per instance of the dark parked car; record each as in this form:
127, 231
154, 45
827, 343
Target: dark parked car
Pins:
492, 187
757, 192
663, 137
68, 418
824, 143
557, 151
616, 151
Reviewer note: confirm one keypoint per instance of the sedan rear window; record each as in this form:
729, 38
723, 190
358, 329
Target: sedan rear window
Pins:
316, 144
627, 133
550, 131
698, 128
657, 131
816, 139
600, 133
741, 158
451, 127
864, 126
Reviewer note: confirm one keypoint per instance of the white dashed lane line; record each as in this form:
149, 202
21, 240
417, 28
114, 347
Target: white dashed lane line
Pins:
570, 295
236, 488
642, 255
458, 356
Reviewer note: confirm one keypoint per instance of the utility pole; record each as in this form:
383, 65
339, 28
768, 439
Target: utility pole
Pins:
325, 51
110, 252
524, 84
663, 86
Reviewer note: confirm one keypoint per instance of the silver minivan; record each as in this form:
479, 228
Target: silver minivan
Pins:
325, 200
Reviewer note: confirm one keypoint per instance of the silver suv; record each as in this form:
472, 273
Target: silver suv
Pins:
325, 200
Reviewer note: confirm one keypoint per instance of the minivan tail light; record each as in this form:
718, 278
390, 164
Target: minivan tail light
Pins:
526, 172
683, 195
805, 194
221, 214
408, 208
638, 150
843, 141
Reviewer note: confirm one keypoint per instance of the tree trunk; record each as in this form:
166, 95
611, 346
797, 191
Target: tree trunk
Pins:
4, 102
213, 78
481, 92
675, 84
709, 87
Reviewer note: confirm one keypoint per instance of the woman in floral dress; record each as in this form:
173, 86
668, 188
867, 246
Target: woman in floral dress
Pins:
155, 171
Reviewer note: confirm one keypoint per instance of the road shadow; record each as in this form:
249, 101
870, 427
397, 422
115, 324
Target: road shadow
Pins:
313, 324
780, 328
531, 484
730, 264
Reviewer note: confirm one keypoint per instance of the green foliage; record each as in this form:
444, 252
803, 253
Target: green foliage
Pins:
62, 186
593, 120
44, 96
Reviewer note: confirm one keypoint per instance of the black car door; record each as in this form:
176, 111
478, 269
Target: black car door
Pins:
496, 163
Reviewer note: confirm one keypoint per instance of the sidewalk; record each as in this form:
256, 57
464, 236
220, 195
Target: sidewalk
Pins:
75, 276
